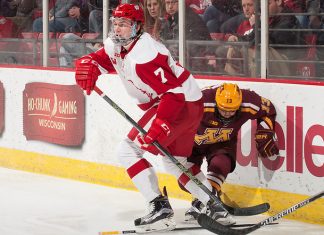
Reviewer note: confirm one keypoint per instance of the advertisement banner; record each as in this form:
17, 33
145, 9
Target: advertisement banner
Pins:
54, 113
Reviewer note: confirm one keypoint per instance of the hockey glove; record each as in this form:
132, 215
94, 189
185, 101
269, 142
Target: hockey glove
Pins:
265, 143
158, 131
86, 73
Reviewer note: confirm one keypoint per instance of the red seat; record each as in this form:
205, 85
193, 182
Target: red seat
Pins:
217, 36
220, 36
53, 43
62, 35
8, 28
51, 35
29, 35
90, 35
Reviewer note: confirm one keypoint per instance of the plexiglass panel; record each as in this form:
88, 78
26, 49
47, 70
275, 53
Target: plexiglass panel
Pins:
222, 37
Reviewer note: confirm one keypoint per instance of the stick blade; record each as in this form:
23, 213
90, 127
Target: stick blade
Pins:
247, 211
213, 226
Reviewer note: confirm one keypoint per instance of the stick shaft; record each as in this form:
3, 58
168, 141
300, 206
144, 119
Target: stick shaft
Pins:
291, 209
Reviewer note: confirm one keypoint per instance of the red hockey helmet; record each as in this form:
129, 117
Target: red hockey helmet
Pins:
129, 11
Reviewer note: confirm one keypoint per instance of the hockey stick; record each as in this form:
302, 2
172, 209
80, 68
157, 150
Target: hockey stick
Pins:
209, 224
176, 229
134, 231
235, 211
159, 147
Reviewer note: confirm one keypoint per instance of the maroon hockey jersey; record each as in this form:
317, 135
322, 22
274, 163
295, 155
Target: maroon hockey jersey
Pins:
214, 135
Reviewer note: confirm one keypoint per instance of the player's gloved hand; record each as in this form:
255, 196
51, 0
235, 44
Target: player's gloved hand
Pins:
158, 131
265, 143
86, 73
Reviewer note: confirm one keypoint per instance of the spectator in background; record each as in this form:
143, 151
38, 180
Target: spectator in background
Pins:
25, 14
154, 11
283, 30
72, 47
138, 2
65, 16
312, 7
280, 33
22, 12
316, 7
298, 6
8, 8
8, 29
80, 15
96, 15
195, 27
38, 11
195, 30
234, 55
219, 12
198, 6
25, 7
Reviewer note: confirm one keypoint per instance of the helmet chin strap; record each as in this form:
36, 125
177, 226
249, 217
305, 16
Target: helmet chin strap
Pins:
226, 121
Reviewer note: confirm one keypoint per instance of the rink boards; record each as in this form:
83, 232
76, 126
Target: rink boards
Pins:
281, 181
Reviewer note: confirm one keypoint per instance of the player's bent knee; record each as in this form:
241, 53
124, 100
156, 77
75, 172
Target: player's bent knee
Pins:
173, 168
128, 152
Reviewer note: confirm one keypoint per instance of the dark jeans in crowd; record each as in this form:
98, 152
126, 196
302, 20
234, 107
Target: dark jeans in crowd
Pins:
64, 24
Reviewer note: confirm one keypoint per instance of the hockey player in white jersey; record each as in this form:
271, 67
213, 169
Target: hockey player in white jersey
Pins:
172, 103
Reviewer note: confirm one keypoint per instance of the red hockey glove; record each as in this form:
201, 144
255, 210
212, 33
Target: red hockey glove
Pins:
86, 73
265, 143
158, 131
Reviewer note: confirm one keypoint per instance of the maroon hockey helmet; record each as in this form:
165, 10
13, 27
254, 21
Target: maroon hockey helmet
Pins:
130, 11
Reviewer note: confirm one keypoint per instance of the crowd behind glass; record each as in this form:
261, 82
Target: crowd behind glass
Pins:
222, 37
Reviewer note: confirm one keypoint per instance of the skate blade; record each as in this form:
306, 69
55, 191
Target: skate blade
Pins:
167, 224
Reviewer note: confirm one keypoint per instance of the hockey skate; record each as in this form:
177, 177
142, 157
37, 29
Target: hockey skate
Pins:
192, 213
216, 212
160, 217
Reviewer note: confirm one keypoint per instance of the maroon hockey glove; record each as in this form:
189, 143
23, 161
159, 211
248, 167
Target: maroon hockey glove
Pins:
86, 73
158, 131
265, 143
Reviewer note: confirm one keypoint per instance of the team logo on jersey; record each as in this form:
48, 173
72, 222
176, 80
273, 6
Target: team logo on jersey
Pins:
214, 123
213, 135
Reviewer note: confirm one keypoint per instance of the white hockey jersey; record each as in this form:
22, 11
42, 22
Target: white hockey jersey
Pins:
147, 71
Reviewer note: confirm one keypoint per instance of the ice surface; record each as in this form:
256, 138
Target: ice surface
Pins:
34, 204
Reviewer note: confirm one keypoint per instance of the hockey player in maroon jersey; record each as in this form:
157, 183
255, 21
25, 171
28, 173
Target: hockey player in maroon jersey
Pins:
226, 109
173, 109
